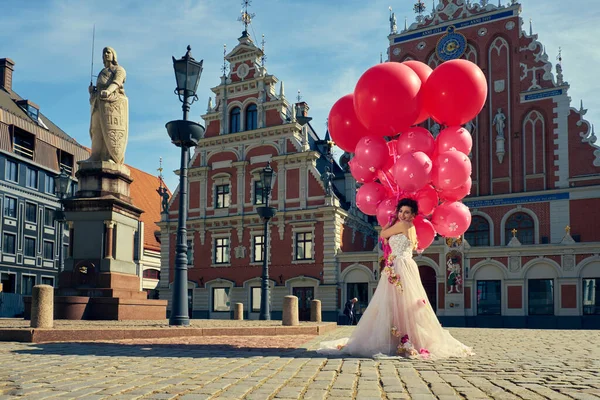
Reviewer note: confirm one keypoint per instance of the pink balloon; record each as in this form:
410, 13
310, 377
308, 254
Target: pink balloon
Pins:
412, 171
423, 71
386, 208
360, 173
391, 159
369, 196
451, 219
425, 232
458, 193
415, 139
455, 137
372, 152
385, 98
450, 170
427, 199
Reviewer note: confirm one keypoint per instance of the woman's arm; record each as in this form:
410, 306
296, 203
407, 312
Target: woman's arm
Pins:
398, 227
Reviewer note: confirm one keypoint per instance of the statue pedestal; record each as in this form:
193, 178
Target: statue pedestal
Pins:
101, 279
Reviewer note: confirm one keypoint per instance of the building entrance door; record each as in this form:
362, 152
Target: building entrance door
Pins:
305, 295
429, 282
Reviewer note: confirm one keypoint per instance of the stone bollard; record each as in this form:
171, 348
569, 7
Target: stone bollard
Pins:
290, 311
42, 307
315, 311
238, 312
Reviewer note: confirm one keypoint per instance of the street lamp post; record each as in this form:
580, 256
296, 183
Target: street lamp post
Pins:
62, 185
184, 134
266, 213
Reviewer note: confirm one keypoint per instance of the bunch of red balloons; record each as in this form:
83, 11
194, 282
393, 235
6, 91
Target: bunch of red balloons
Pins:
390, 100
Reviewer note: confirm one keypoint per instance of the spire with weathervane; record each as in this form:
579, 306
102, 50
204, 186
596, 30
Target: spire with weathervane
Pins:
246, 17
419, 7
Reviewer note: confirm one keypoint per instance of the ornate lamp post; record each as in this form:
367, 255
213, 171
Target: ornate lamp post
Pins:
266, 213
184, 134
62, 186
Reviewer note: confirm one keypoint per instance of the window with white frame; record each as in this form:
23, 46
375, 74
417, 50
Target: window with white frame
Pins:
28, 282
258, 247
29, 244
31, 212
222, 250
190, 252
304, 246
9, 282
48, 250
222, 196
221, 299
49, 184
31, 180
49, 217
47, 280
12, 171
10, 207
9, 241
258, 192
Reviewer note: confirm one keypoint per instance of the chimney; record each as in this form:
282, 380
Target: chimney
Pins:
6, 70
302, 109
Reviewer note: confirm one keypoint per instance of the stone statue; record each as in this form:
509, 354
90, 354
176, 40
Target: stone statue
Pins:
345, 161
393, 26
559, 74
164, 195
498, 121
110, 111
327, 177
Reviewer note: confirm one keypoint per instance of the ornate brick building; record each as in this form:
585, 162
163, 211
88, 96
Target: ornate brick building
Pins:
530, 257
250, 123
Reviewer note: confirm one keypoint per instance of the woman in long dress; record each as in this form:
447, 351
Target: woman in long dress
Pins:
399, 320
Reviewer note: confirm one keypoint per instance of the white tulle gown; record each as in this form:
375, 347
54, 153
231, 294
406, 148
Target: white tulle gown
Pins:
399, 320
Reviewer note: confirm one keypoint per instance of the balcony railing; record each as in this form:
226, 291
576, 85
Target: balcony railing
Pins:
67, 168
23, 151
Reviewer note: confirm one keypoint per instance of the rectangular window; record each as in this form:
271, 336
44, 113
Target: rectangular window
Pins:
28, 284
49, 184
29, 247
221, 250
223, 197
49, 217
190, 254
48, 250
9, 243
9, 282
31, 212
258, 248
10, 207
32, 178
255, 299
221, 300
47, 280
12, 171
591, 296
304, 246
258, 192
541, 296
489, 298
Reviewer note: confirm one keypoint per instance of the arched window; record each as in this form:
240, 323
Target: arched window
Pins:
251, 117
524, 225
151, 274
478, 233
234, 120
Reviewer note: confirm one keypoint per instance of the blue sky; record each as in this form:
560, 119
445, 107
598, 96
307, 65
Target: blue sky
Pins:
318, 47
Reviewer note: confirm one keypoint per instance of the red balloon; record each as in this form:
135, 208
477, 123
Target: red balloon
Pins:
412, 171
451, 169
458, 193
344, 126
386, 208
391, 159
427, 199
451, 219
360, 173
372, 152
415, 139
455, 92
385, 98
425, 232
369, 196
423, 71
455, 137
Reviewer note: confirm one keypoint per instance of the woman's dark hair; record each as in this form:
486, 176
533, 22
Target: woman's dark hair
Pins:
408, 203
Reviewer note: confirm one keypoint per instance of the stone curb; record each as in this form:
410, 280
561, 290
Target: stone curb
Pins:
29, 335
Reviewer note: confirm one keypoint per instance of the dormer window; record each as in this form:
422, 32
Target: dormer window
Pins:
32, 110
23, 143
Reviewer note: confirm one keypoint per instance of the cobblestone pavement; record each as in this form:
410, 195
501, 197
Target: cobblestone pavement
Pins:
510, 364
